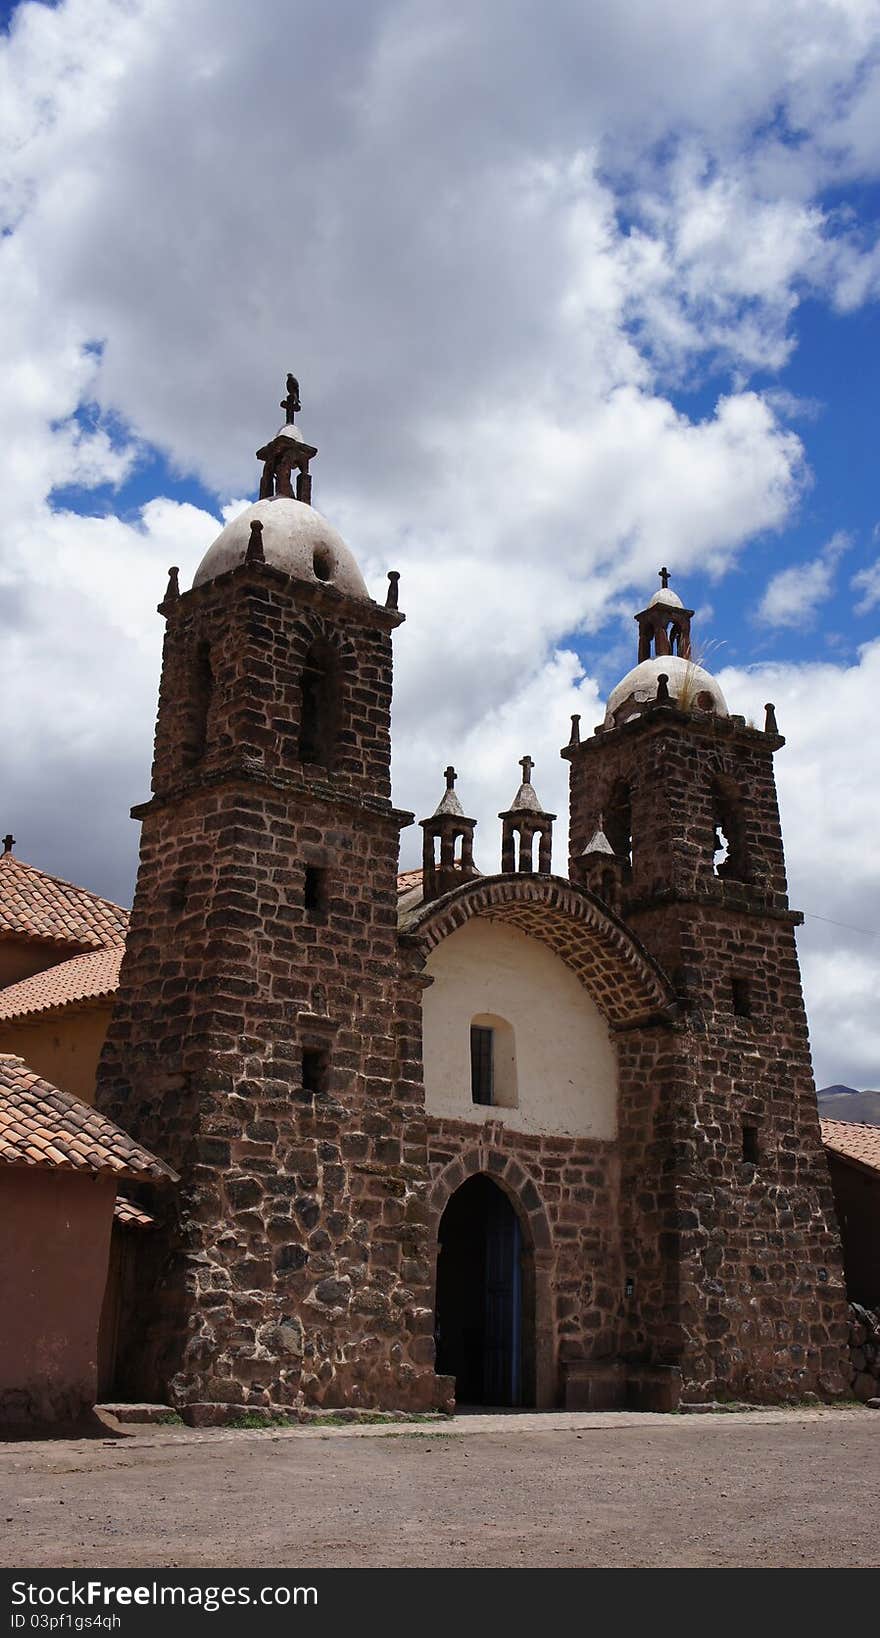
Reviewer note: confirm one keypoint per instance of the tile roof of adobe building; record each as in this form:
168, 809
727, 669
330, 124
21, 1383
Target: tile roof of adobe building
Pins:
90, 977
42, 1126
853, 1140
34, 905
128, 1215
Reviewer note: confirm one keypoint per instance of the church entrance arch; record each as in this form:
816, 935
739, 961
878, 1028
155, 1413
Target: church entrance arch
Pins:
484, 1313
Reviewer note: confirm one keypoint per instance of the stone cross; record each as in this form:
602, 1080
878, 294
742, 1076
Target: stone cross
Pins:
8, 842
664, 578
450, 776
527, 765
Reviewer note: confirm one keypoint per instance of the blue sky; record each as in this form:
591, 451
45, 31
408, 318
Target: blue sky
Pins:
569, 295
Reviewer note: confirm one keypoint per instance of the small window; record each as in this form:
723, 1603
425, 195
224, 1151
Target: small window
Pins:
493, 1061
750, 1144
315, 891
742, 998
315, 1070
482, 1064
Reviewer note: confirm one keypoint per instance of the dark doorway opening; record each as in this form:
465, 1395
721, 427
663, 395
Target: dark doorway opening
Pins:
479, 1312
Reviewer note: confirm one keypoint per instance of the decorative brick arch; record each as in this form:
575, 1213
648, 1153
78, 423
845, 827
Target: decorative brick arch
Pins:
539, 1364
628, 987
510, 1176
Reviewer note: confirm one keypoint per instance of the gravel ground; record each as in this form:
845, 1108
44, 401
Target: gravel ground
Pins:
775, 1489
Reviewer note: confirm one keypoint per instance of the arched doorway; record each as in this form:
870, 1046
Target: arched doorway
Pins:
479, 1318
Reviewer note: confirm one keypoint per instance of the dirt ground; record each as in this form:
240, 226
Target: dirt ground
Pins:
772, 1488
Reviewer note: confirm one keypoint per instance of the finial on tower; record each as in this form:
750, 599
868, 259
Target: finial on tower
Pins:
8, 842
521, 823
664, 572
291, 404
452, 832
255, 553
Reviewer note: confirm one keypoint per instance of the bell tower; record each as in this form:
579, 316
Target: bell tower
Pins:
254, 1035
682, 796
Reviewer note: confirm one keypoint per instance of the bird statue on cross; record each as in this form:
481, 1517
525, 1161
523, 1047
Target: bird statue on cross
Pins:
291, 403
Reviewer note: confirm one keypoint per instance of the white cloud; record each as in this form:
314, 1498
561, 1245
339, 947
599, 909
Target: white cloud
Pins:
793, 597
867, 581
488, 241
828, 775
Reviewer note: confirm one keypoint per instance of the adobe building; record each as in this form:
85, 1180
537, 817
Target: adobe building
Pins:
853, 1151
60, 1165
526, 1138
60, 953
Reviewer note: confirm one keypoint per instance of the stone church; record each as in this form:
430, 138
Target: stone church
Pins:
512, 1139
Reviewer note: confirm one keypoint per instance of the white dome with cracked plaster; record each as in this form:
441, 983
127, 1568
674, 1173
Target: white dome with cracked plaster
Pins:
295, 538
689, 686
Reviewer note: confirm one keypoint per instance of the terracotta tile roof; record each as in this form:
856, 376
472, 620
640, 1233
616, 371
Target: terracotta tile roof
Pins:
854, 1140
87, 977
129, 1215
408, 879
34, 905
40, 1126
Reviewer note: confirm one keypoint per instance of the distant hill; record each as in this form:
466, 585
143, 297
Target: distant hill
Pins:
847, 1103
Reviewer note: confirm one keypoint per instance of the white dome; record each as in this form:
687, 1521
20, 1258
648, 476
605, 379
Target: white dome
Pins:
296, 539
689, 685
290, 430
668, 598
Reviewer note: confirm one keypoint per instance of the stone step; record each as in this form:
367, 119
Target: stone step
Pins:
131, 1412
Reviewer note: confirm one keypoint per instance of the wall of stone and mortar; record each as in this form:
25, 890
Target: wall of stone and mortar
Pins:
293, 1266
747, 1256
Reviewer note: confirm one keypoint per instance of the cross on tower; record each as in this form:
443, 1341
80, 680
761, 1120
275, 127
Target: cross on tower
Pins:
664, 578
8, 842
527, 765
450, 776
291, 403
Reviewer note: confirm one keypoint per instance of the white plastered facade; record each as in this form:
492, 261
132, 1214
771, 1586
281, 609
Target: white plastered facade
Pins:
566, 1064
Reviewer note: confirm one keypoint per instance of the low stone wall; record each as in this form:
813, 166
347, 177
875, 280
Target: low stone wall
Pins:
864, 1351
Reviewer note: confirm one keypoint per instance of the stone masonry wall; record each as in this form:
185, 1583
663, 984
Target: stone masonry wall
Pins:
291, 1268
754, 1276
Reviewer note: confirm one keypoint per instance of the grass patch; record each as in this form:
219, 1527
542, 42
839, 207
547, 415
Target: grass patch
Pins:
256, 1423
169, 1419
